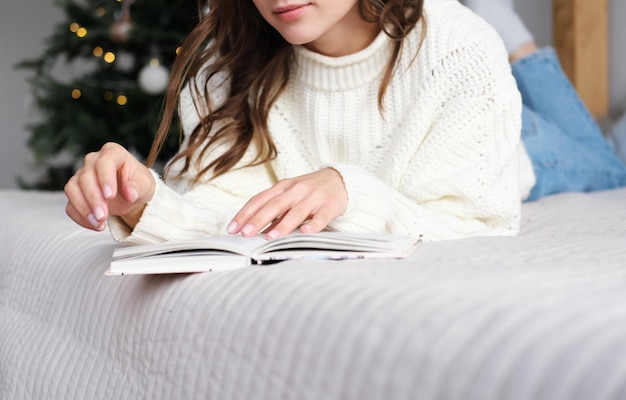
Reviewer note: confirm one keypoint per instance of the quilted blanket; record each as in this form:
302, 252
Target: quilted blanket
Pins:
538, 316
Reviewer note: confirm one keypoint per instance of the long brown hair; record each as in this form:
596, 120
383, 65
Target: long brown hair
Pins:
237, 40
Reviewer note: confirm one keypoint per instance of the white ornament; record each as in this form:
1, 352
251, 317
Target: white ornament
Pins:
153, 78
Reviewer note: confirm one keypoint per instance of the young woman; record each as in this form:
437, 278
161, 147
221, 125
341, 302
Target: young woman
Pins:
397, 116
566, 145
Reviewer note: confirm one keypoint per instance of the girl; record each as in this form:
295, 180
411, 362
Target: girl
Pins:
397, 116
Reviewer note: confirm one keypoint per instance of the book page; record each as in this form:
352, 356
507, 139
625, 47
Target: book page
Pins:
229, 244
336, 245
220, 253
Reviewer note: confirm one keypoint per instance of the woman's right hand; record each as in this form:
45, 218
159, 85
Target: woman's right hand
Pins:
112, 182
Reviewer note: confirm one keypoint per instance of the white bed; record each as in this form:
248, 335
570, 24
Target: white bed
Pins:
537, 316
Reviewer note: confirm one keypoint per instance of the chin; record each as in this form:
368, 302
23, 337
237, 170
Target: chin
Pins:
298, 42
297, 38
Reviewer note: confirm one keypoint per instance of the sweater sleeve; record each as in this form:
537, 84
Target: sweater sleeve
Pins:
177, 212
462, 179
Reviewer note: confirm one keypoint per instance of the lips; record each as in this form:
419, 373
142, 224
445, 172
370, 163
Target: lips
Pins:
290, 12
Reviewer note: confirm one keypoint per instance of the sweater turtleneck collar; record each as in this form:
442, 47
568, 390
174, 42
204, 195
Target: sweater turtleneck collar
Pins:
341, 73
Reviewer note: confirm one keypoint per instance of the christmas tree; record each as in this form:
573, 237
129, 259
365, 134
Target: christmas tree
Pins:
119, 53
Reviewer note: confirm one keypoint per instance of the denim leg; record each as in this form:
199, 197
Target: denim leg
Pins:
566, 146
563, 164
546, 90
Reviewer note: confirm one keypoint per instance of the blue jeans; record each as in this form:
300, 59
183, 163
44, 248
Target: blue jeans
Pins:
566, 146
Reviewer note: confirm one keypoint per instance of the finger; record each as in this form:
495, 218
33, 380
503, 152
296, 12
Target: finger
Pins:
273, 224
137, 184
255, 215
78, 209
271, 212
112, 158
74, 215
292, 219
119, 172
84, 187
318, 222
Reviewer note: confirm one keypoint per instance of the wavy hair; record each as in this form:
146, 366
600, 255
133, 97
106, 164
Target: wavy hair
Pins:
238, 41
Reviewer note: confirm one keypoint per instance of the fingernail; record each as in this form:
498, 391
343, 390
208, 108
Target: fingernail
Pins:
305, 228
107, 191
273, 234
134, 195
93, 221
248, 229
98, 213
232, 227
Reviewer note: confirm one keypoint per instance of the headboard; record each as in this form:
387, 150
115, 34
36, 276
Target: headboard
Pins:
580, 30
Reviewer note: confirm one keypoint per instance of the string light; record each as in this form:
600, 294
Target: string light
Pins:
115, 41
109, 57
78, 30
121, 100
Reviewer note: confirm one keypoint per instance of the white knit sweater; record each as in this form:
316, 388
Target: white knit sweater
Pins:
443, 161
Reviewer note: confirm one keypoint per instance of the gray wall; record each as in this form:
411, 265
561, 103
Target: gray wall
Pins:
618, 55
25, 23
537, 14
23, 26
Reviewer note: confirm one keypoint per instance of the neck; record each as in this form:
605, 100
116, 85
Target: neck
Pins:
351, 35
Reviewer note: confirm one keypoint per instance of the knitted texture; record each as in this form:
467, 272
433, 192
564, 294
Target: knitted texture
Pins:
441, 160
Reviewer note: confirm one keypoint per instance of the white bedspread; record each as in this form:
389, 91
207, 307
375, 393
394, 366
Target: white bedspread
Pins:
538, 316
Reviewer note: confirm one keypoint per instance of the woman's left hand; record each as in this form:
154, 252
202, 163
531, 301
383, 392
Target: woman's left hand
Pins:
309, 202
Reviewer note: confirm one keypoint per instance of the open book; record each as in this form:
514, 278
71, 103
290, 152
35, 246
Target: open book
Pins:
222, 253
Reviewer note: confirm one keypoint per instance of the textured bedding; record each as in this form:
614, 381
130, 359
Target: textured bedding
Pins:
537, 316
